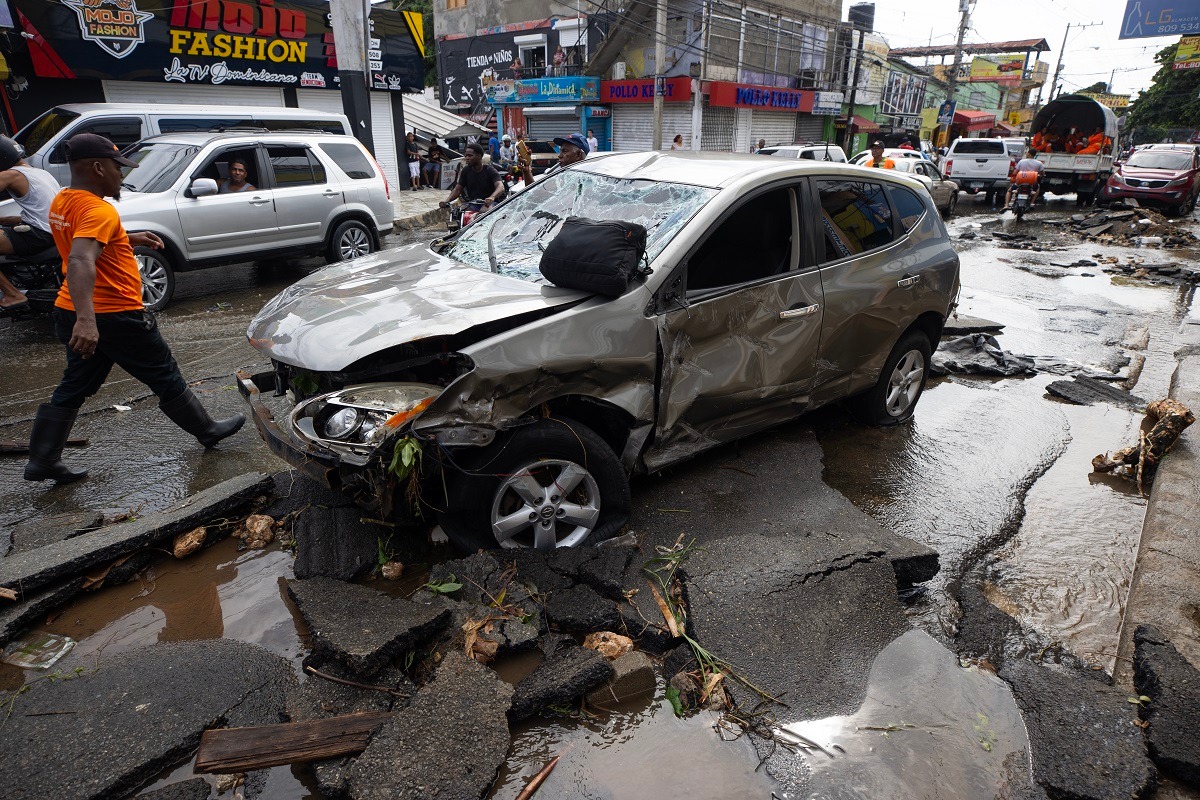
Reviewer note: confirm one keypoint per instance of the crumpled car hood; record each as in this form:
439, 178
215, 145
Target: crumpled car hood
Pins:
348, 311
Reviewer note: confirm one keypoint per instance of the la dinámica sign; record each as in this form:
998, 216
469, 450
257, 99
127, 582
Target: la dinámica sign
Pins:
240, 42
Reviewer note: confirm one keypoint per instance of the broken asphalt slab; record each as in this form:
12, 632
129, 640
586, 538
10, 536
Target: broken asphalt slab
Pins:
1084, 743
26, 572
449, 742
16, 618
31, 534
107, 732
1085, 391
962, 324
566, 675
1173, 686
360, 628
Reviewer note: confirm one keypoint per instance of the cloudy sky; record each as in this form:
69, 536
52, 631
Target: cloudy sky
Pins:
1091, 53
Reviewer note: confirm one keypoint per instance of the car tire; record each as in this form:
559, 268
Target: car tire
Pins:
894, 398
158, 277
1188, 207
510, 484
950, 207
350, 239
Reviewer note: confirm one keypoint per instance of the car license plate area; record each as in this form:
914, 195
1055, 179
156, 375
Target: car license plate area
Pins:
975, 184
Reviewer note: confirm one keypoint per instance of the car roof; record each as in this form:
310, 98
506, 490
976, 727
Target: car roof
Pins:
201, 138
266, 112
712, 170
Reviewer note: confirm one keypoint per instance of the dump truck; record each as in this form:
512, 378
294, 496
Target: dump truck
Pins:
1083, 174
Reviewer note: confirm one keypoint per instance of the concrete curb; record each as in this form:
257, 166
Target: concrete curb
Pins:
420, 220
1165, 588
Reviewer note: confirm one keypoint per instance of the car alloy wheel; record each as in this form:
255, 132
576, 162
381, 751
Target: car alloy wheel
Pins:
893, 399
547, 504
158, 279
905, 383
354, 242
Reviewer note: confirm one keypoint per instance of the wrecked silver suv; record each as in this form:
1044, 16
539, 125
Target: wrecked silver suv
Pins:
454, 379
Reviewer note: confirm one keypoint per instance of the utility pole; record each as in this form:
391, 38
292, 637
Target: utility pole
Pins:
964, 22
1058, 68
350, 43
660, 55
849, 135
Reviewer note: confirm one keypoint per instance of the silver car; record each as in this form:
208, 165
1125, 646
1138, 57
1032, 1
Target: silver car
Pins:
454, 380
308, 193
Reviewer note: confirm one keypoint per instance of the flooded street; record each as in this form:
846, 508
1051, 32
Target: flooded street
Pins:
993, 473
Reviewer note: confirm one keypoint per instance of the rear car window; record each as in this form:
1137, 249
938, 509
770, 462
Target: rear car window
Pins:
43, 129
909, 207
982, 148
856, 217
293, 166
349, 159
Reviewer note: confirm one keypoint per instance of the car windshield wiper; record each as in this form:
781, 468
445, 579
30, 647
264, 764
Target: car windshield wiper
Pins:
493, 265
129, 186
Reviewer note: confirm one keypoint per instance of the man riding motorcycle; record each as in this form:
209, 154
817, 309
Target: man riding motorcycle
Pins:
1027, 164
32, 189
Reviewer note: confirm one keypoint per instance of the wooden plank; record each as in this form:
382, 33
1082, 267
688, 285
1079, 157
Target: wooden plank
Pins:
20, 448
242, 749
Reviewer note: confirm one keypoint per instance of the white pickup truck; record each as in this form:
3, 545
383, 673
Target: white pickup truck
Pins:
1083, 174
979, 165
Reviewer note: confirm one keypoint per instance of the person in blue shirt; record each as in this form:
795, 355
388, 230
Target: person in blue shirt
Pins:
494, 147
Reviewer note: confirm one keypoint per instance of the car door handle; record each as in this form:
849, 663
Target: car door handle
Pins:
908, 280
258, 201
330, 193
792, 313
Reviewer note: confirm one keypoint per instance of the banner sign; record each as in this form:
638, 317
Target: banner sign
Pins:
642, 91
544, 90
738, 95
243, 42
828, 103
997, 69
1148, 18
1187, 53
903, 94
946, 113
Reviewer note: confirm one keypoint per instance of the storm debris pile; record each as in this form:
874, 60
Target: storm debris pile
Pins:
1138, 462
979, 354
1131, 227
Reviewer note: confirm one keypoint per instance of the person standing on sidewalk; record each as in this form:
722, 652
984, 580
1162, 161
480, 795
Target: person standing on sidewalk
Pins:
99, 314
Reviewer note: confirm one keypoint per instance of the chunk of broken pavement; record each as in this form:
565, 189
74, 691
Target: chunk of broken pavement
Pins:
1173, 686
334, 543
634, 677
581, 610
448, 743
360, 628
562, 678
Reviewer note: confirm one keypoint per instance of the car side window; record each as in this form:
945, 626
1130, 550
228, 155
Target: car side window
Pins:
350, 160
909, 207
294, 166
855, 216
217, 166
754, 242
121, 131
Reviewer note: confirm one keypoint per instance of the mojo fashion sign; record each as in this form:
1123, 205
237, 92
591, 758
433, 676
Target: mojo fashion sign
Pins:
278, 42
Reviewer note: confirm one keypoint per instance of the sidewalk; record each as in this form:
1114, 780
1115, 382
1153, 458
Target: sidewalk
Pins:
1165, 589
418, 209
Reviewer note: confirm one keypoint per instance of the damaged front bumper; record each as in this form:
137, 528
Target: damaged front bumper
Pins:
320, 465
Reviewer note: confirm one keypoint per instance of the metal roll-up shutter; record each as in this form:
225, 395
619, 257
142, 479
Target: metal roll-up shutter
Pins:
773, 126
810, 128
384, 137
716, 129
196, 94
329, 100
741, 130
543, 128
633, 126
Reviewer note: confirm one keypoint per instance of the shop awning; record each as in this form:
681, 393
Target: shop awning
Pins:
1006, 129
429, 119
859, 125
974, 120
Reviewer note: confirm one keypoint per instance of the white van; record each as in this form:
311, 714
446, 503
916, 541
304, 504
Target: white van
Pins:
126, 123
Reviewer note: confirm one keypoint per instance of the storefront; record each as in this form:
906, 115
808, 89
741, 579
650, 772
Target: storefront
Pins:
862, 131
632, 103
544, 108
768, 113
972, 123
214, 52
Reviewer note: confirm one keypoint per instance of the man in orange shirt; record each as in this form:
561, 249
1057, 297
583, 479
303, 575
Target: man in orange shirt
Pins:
99, 313
877, 158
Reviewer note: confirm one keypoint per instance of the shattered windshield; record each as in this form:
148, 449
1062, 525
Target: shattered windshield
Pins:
521, 228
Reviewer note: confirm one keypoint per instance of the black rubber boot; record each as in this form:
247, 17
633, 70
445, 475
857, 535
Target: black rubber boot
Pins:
51, 427
187, 412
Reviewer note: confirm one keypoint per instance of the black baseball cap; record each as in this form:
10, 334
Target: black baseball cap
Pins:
575, 140
92, 145
876, 143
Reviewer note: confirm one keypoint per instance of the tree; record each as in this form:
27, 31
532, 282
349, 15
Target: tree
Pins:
1171, 101
1099, 87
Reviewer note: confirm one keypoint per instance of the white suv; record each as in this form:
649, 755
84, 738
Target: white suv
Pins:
312, 193
979, 165
813, 151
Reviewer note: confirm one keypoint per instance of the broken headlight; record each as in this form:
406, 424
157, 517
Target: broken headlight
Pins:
353, 421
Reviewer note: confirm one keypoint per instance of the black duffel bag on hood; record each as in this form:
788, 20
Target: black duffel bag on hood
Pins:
601, 257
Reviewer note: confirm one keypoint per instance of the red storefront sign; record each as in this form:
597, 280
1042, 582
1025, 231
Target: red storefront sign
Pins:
767, 98
675, 90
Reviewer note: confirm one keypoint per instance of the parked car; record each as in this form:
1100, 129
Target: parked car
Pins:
1159, 175
944, 192
314, 193
812, 151
127, 123
894, 153
772, 286
979, 165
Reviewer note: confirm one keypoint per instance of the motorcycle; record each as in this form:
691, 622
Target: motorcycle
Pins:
38, 275
462, 214
1025, 183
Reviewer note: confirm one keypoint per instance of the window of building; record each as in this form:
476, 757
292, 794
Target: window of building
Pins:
856, 217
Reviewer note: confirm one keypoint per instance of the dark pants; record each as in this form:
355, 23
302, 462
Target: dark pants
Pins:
129, 339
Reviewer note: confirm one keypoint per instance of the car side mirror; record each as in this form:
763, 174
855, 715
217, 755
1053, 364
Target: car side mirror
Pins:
202, 187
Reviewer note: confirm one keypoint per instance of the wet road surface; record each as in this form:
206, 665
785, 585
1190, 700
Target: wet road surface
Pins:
992, 473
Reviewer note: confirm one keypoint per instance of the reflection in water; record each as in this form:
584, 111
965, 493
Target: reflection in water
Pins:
640, 750
970, 743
